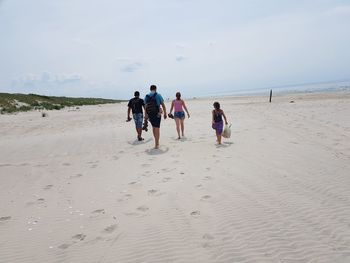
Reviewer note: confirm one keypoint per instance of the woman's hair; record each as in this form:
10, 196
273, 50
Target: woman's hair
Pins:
216, 105
178, 95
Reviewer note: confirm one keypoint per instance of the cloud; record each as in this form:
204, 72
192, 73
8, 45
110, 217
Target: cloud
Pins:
340, 10
123, 59
45, 81
132, 67
180, 46
181, 58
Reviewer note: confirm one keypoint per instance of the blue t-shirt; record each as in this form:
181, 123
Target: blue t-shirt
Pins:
159, 98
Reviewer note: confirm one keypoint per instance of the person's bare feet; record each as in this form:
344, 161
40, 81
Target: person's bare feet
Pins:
156, 147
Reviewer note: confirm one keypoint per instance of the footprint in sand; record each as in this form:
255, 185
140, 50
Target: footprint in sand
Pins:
110, 229
142, 208
145, 165
152, 191
195, 213
166, 179
205, 197
157, 151
93, 166
207, 237
5, 218
98, 211
38, 201
207, 178
75, 176
5, 164
48, 187
79, 237
131, 214
199, 186
76, 238
64, 246
66, 164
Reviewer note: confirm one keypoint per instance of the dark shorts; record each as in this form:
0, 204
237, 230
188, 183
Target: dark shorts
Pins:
218, 127
138, 119
155, 120
179, 115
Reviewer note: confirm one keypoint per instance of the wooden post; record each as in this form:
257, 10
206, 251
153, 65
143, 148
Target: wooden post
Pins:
270, 95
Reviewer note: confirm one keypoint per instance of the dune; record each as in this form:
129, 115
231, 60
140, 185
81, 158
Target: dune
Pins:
77, 186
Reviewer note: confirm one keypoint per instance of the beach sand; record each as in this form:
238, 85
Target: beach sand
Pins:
76, 186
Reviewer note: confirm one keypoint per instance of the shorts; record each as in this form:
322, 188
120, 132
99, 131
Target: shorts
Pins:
218, 127
179, 115
155, 120
138, 119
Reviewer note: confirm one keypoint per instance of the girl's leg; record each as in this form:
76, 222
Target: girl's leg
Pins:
218, 136
182, 127
177, 121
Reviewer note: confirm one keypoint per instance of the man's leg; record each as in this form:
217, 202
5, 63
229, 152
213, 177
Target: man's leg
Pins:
139, 132
156, 134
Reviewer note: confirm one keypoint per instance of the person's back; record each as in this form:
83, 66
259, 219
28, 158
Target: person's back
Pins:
136, 106
179, 115
178, 105
153, 102
217, 115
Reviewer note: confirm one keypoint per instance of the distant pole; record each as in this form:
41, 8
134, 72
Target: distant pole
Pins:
270, 95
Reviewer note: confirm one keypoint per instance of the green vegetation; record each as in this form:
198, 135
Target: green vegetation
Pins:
10, 103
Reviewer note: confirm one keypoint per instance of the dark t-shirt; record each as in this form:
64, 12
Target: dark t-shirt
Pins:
136, 105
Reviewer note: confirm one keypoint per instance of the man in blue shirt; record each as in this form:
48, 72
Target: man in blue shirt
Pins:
153, 101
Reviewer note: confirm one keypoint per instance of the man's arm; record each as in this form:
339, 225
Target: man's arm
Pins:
164, 109
128, 114
172, 106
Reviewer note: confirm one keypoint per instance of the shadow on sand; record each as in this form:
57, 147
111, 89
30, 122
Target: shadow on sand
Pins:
157, 151
224, 145
137, 142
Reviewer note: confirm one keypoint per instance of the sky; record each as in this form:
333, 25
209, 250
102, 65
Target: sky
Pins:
110, 48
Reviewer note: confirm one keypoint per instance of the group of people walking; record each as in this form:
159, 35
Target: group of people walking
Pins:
152, 107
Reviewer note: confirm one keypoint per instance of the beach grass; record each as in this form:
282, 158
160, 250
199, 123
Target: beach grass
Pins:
10, 103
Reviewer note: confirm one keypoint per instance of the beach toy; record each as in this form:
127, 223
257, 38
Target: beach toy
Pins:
227, 131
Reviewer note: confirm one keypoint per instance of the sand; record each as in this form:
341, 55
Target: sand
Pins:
76, 186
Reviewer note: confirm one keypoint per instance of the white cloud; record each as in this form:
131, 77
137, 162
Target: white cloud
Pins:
340, 10
181, 58
121, 45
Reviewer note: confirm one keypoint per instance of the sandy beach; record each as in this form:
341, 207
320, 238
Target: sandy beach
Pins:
77, 186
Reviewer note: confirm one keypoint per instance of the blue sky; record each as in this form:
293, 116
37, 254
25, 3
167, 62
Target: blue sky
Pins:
109, 48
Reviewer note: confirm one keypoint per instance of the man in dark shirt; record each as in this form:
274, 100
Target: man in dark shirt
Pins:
136, 106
